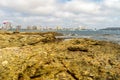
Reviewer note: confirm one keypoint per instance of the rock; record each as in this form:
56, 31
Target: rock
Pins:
4, 63
32, 56
77, 48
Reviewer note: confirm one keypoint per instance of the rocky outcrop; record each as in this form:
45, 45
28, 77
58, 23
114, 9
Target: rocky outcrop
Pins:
44, 58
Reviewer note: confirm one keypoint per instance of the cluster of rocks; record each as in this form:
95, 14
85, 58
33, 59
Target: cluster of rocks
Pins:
43, 57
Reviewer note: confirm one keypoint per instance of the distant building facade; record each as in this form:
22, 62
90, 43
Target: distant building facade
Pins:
7, 25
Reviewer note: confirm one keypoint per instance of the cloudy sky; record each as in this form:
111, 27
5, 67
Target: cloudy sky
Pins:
66, 13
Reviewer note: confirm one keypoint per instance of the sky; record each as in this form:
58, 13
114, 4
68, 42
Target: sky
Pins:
65, 13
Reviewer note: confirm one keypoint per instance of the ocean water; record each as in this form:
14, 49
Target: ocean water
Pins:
105, 35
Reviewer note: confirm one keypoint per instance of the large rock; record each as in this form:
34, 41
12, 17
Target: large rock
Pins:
46, 59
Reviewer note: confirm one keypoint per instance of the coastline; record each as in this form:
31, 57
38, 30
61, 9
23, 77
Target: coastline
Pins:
42, 56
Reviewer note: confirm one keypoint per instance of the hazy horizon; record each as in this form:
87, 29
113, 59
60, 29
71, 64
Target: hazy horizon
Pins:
67, 13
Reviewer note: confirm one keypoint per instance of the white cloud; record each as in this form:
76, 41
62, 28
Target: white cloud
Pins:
1, 13
78, 6
64, 14
31, 6
51, 12
112, 3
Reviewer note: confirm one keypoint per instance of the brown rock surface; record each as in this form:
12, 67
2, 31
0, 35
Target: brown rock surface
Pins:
38, 57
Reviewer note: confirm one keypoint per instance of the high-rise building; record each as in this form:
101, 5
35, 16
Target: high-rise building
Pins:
7, 25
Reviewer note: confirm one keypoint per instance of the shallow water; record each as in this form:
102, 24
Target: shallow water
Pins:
107, 35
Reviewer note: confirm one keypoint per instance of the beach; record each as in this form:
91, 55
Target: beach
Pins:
42, 56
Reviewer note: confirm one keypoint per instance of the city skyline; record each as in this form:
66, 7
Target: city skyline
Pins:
66, 13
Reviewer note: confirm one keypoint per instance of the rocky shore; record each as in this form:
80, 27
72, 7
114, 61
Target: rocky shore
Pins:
40, 56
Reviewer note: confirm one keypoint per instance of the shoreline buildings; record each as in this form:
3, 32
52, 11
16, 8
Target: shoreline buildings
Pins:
6, 25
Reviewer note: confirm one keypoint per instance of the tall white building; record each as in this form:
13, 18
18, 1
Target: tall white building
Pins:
7, 25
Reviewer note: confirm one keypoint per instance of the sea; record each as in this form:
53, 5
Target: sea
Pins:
103, 35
